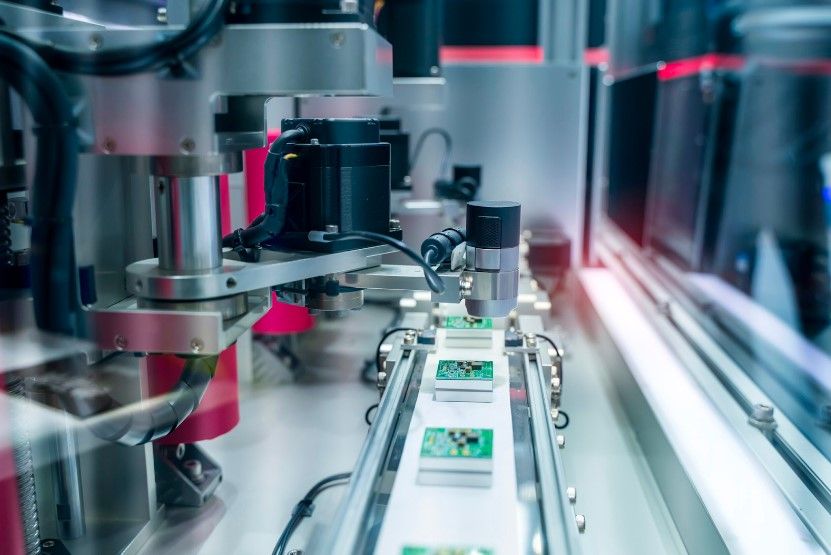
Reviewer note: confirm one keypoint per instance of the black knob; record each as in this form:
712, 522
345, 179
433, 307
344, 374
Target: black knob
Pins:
493, 224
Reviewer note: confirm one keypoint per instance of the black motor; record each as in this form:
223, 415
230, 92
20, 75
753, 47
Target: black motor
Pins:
338, 179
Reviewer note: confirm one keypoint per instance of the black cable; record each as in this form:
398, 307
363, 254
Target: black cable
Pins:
550, 342
381, 343
370, 363
368, 412
305, 508
127, 60
54, 282
565, 424
448, 149
270, 223
433, 280
556, 350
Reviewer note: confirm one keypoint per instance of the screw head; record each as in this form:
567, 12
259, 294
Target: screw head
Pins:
194, 470
161, 14
337, 39
762, 412
120, 342
435, 70
196, 345
409, 337
48, 543
561, 441
395, 224
187, 145
761, 417
571, 493
95, 42
581, 523
330, 228
109, 145
466, 285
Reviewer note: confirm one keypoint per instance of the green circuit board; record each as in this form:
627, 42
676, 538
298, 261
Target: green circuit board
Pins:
458, 443
465, 370
468, 323
417, 550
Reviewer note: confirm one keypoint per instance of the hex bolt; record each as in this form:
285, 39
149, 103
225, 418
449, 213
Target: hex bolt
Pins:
581, 523
409, 338
571, 493
561, 441
761, 417
120, 342
196, 345
194, 470
762, 412
531, 339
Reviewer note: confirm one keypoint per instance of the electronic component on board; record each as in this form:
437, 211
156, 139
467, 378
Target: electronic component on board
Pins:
464, 380
456, 457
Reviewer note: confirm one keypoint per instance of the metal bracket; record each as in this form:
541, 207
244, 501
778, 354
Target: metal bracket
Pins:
124, 327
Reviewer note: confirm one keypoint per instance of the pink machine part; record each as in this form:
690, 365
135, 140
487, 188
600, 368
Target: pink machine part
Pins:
283, 318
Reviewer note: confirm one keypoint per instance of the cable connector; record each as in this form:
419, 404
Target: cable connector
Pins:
437, 248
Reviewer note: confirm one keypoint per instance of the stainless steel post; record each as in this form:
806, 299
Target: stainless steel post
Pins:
188, 223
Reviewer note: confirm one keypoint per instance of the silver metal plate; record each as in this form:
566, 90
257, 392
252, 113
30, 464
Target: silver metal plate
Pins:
145, 279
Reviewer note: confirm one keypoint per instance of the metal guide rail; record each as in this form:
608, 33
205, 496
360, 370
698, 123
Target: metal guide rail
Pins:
521, 507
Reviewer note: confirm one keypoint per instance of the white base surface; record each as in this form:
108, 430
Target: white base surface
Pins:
463, 395
455, 479
482, 516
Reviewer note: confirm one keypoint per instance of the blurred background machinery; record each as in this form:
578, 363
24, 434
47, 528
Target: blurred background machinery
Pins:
247, 247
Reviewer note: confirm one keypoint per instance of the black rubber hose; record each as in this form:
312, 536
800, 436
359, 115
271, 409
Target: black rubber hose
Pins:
129, 60
54, 283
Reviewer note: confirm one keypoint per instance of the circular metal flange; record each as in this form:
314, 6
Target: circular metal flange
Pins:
345, 300
229, 307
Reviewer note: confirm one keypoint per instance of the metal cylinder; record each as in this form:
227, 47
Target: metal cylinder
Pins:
188, 223
490, 283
